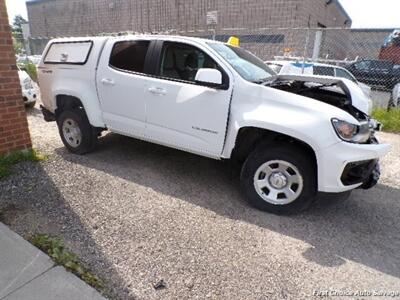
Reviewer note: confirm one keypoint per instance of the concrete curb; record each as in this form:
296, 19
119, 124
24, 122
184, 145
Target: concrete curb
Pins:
28, 273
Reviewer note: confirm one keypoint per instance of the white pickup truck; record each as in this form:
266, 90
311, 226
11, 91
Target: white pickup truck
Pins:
293, 135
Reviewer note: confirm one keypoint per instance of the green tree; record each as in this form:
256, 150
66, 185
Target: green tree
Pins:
17, 27
18, 38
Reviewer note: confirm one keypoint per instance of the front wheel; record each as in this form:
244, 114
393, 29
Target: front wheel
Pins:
279, 179
76, 132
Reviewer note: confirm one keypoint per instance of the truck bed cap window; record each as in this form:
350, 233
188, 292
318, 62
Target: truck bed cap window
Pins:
71, 52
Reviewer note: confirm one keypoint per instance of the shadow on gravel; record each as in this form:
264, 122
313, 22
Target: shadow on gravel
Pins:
33, 111
35, 205
364, 228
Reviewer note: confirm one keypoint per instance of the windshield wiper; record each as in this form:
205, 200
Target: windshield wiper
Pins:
263, 80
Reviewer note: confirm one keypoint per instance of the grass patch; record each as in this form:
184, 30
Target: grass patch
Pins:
55, 248
390, 119
31, 69
6, 162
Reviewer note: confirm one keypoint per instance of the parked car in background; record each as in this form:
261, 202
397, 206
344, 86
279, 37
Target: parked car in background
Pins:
29, 89
35, 59
311, 68
24, 59
391, 48
377, 73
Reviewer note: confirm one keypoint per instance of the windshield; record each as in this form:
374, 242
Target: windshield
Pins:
249, 66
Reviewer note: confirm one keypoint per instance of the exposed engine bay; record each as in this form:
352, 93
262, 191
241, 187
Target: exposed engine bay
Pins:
336, 92
332, 93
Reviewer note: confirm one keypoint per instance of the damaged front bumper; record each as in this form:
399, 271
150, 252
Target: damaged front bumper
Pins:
373, 178
347, 166
365, 172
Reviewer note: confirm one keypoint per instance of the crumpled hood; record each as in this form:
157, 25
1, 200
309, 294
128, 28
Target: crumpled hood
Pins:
358, 98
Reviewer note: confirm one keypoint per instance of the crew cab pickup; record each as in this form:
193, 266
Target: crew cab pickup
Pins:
292, 135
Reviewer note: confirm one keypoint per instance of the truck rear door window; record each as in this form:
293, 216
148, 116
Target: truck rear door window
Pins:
75, 53
129, 55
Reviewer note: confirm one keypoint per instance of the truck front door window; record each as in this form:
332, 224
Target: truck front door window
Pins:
129, 55
180, 61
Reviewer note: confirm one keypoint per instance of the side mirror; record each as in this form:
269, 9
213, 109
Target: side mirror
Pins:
209, 77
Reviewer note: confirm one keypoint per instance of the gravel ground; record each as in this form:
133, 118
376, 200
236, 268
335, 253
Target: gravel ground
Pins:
138, 214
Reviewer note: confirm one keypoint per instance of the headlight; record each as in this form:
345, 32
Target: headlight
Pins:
351, 132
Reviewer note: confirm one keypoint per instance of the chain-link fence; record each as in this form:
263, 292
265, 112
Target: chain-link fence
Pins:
290, 31
357, 51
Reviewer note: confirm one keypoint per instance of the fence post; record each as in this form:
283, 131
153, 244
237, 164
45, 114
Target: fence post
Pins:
305, 50
317, 45
26, 33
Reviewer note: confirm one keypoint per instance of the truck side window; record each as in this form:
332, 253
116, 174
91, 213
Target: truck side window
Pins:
129, 55
181, 61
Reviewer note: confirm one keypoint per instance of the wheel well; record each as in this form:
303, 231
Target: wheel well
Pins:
249, 138
66, 102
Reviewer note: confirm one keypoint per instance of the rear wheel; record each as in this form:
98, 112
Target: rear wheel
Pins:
76, 132
279, 179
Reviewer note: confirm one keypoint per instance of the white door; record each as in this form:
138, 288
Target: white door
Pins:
120, 81
182, 113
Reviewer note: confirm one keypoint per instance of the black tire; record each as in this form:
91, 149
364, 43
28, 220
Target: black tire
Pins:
287, 153
88, 134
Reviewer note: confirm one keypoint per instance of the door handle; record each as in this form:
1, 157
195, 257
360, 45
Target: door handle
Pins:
157, 91
107, 81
